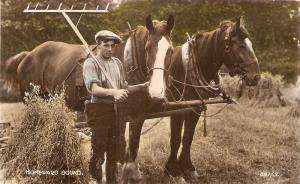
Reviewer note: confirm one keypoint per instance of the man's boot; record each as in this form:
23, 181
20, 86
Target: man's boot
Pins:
111, 173
95, 168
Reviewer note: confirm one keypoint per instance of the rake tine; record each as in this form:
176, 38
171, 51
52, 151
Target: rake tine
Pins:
107, 6
47, 6
28, 6
79, 20
59, 6
37, 5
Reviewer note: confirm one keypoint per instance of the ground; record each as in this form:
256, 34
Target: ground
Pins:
244, 145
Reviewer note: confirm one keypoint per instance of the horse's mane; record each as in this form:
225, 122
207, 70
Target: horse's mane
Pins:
208, 45
160, 25
223, 26
125, 35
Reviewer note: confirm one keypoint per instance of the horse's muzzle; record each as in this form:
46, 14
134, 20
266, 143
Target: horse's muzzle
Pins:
252, 81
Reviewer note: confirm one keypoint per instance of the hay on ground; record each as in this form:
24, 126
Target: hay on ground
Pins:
295, 110
45, 148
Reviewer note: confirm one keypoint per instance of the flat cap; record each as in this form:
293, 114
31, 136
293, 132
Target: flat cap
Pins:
108, 35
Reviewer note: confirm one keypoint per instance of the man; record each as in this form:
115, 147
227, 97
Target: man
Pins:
107, 134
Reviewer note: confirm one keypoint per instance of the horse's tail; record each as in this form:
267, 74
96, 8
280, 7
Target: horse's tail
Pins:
9, 75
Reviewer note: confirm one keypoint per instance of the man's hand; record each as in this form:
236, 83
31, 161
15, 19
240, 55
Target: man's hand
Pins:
120, 95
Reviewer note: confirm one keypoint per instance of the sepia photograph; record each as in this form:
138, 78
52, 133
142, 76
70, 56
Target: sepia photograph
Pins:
150, 92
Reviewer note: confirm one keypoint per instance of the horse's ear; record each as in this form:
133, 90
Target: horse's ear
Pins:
170, 24
240, 23
240, 27
149, 24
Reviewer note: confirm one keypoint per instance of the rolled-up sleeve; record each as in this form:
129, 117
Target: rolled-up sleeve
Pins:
90, 74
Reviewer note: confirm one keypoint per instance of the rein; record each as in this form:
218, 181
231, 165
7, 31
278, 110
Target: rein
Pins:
136, 69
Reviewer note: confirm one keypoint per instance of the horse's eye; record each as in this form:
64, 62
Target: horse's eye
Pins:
148, 47
241, 46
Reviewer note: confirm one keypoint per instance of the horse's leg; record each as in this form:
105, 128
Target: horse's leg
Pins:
130, 168
135, 129
185, 162
172, 167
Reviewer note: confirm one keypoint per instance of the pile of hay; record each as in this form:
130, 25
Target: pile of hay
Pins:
268, 91
45, 148
266, 94
232, 86
235, 87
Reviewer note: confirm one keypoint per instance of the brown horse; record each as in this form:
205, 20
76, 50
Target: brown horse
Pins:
191, 67
140, 67
53, 65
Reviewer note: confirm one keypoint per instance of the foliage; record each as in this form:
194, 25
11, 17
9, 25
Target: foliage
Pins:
272, 25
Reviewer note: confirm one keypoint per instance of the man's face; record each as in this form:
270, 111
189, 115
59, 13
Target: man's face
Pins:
106, 49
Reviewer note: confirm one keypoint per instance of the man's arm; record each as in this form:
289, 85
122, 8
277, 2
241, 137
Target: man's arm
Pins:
119, 95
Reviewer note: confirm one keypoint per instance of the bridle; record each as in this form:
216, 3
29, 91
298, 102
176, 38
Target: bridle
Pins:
158, 68
237, 68
141, 72
165, 70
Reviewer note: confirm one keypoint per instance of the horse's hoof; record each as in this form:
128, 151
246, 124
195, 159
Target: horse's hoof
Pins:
93, 181
192, 176
131, 173
180, 180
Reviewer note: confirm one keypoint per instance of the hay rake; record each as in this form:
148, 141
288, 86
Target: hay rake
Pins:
65, 13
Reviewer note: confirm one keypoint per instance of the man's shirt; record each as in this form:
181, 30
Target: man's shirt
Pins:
93, 74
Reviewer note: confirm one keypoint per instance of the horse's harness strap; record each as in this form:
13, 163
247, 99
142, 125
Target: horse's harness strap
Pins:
227, 39
77, 63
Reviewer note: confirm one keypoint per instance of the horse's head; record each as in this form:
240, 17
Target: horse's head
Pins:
157, 49
240, 58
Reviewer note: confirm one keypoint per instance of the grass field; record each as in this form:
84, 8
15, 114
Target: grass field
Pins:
244, 145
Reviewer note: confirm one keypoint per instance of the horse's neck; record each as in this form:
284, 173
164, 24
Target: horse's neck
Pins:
209, 53
134, 51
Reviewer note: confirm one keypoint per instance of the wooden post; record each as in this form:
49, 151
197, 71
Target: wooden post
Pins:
195, 102
204, 123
